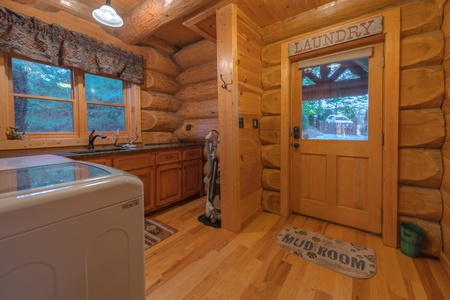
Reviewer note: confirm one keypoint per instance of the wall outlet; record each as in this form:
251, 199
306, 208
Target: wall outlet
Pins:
188, 127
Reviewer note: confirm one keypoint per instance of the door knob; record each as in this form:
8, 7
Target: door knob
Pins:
296, 145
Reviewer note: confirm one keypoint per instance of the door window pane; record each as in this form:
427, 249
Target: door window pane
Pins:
335, 100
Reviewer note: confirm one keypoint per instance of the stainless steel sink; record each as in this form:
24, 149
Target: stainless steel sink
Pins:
102, 150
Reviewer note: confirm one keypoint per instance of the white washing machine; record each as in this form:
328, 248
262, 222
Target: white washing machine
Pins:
70, 230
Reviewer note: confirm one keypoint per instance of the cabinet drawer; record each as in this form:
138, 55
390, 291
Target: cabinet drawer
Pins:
192, 153
101, 160
130, 162
168, 157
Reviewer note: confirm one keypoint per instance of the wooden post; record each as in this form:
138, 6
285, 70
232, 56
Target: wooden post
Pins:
228, 117
390, 149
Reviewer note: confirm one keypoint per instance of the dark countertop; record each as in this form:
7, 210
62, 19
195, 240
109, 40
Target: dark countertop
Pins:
99, 151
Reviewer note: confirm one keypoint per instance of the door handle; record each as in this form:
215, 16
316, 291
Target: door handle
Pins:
296, 145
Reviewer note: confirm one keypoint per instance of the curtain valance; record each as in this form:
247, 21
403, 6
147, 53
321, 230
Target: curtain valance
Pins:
51, 43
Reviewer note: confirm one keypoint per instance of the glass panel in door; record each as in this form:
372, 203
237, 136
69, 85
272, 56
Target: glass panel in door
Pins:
335, 100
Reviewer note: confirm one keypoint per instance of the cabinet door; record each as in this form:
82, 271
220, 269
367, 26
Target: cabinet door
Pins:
192, 177
168, 184
147, 176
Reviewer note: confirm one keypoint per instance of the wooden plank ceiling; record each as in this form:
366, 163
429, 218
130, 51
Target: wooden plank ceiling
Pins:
149, 22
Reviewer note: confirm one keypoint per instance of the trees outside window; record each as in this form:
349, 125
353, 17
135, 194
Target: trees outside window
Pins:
335, 100
64, 102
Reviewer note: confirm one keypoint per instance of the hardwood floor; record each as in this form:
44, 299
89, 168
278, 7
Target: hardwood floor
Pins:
201, 262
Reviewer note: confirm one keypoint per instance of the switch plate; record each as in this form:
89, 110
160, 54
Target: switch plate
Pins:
188, 127
241, 122
255, 123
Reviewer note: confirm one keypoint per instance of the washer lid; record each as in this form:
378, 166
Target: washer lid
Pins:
19, 162
44, 172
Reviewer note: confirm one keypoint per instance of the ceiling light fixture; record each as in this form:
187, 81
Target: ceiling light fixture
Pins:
107, 15
167, 2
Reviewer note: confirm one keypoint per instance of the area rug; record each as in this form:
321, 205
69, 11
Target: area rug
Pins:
340, 256
155, 231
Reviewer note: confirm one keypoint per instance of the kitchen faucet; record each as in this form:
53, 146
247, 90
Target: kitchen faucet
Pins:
92, 138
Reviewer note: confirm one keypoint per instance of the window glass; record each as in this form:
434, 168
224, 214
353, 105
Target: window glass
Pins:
335, 100
31, 78
103, 89
108, 114
46, 100
36, 115
106, 118
45, 112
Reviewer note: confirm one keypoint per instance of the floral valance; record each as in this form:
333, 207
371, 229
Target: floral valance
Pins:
51, 43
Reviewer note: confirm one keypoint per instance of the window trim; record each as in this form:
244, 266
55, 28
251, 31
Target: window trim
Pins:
79, 138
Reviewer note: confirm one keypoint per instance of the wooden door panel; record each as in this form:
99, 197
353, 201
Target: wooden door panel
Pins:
337, 174
313, 182
351, 182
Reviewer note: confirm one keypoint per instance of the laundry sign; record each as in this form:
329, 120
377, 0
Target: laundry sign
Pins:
337, 36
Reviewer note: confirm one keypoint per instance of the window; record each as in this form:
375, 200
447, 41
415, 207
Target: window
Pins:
46, 101
105, 103
43, 97
335, 98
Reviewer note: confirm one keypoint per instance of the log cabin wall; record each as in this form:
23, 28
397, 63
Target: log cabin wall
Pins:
422, 125
445, 186
198, 92
179, 96
421, 128
159, 105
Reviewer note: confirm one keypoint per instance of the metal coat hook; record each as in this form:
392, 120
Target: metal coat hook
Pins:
225, 85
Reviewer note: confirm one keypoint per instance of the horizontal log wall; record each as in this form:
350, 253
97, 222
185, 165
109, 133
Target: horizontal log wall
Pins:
421, 128
422, 124
198, 92
158, 102
445, 186
179, 95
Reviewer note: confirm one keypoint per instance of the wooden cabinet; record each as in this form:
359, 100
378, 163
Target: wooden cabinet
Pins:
178, 175
192, 171
168, 175
143, 166
107, 161
168, 183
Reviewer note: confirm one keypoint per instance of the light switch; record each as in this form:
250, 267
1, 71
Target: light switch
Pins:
241, 122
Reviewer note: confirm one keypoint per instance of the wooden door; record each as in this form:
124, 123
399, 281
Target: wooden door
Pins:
337, 149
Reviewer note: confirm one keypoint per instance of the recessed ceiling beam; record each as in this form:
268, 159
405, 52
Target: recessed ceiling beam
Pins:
146, 17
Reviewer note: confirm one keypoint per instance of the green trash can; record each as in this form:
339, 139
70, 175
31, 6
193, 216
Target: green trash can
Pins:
411, 239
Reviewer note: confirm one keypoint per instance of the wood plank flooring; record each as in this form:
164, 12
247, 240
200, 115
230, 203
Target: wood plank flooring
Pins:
201, 262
